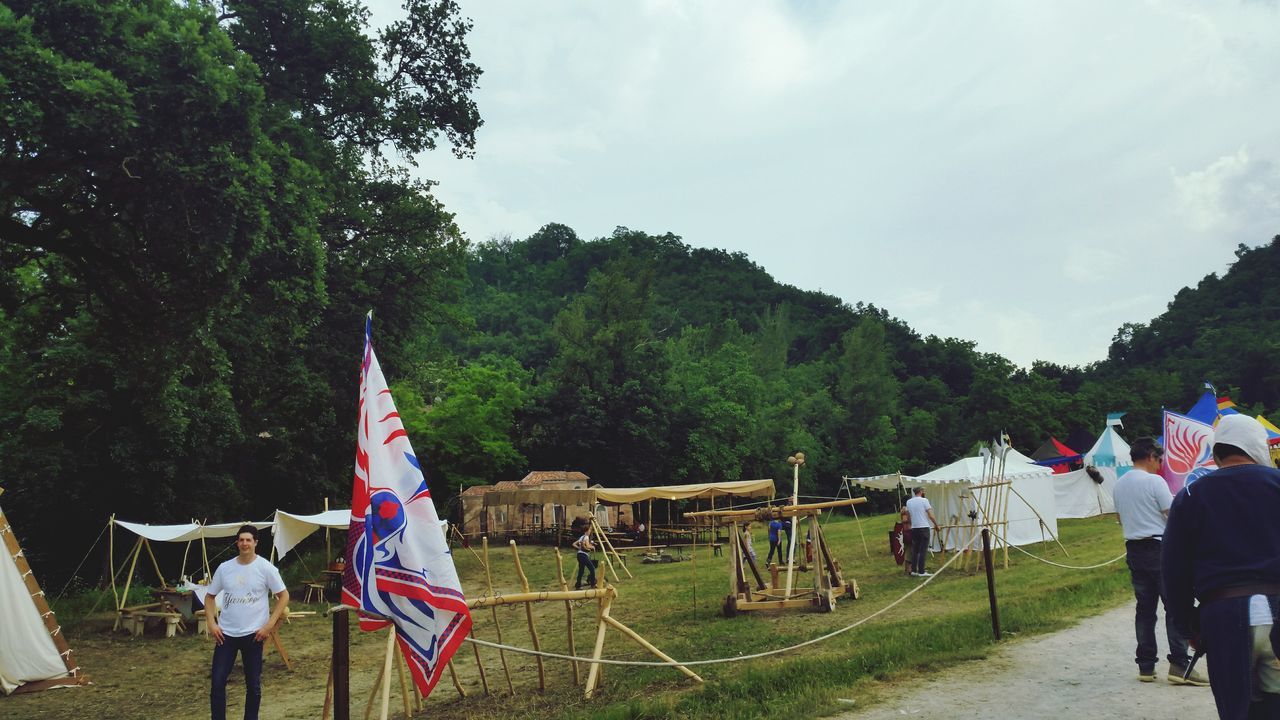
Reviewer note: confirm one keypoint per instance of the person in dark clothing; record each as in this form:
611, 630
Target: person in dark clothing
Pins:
1222, 547
775, 541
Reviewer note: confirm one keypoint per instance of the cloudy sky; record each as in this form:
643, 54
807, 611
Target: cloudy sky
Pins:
1027, 175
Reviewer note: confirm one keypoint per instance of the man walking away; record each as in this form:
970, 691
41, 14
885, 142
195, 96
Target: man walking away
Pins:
775, 542
922, 519
247, 581
1142, 501
1222, 547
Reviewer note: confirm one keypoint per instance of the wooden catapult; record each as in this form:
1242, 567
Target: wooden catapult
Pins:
828, 580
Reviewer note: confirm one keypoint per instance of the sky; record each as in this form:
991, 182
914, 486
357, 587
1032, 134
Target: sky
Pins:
1025, 175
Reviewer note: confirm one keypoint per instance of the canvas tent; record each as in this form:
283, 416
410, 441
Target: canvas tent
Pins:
1031, 512
1078, 494
288, 529
1111, 450
33, 652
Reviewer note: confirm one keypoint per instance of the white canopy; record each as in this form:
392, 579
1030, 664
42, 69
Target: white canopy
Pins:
187, 532
1077, 495
288, 529
948, 488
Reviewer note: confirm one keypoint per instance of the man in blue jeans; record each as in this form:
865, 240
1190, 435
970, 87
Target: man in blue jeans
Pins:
1142, 501
247, 581
921, 514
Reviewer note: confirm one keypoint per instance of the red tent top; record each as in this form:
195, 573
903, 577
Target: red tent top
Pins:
1066, 451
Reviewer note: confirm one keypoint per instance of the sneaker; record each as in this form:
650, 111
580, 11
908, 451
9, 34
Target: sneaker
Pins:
1176, 673
1147, 674
926, 574
915, 574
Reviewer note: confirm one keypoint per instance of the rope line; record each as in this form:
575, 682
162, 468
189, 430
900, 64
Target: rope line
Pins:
1121, 556
76, 572
716, 661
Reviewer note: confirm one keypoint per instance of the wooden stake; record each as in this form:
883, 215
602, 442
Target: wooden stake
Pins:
568, 611
111, 560
328, 693
647, 646
488, 578
593, 675
386, 672
124, 596
154, 563
406, 698
340, 666
457, 685
528, 611
484, 679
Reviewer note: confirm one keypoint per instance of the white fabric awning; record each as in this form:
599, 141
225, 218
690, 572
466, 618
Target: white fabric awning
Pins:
187, 532
289, 529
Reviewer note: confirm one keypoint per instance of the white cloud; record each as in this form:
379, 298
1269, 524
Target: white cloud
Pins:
917, 155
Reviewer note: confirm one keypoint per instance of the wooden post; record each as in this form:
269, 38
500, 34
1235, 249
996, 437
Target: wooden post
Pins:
111, 560
600, 538
386, 672
568, 611
593, 675
991, 583
204, 553
341, 668
155, 564
328, 693
409, 700
124, 596
647, 646
488, 578
650, 525
528, 611
328, 551
453, 674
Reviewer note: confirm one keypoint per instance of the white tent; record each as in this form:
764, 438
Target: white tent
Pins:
33, 652
1110, 451
1078, 495
1032, 515
288, 529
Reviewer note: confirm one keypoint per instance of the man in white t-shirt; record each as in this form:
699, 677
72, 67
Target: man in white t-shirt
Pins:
245, 583
921, 512
1142, 501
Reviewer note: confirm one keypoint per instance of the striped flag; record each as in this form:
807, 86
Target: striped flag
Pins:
399, 569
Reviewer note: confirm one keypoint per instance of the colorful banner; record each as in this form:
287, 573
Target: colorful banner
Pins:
399, 568
1188, 450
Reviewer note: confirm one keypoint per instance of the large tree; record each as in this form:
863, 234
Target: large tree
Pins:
197, 206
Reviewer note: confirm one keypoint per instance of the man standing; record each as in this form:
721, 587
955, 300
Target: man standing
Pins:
585, 547
245, 622
921, 513
1142, 501
1222, 546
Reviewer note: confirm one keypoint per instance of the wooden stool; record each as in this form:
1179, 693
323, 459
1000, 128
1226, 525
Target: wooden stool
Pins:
313, 588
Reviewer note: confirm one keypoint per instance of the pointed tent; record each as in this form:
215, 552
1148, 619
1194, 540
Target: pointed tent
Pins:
1110, 451
1054, 454
33, 652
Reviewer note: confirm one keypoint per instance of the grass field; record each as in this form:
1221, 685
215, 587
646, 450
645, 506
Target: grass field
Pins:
676, 606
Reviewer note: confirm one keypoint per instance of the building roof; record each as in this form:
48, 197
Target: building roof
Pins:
537, 477
477, 490
507, 485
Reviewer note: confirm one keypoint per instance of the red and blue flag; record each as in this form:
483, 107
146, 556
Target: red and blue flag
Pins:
399, 569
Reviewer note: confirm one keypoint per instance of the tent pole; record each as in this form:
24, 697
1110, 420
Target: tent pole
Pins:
124, 596
204, 551
328, 551
111, 556
155, 563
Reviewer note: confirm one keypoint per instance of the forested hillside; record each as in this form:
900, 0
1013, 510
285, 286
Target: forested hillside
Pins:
199, 202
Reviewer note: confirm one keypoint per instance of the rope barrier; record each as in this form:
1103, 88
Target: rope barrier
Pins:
1121, 556
716, 661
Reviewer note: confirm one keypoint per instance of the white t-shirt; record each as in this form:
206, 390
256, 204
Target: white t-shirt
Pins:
1141, 500
919, 508
583, 543
245, 589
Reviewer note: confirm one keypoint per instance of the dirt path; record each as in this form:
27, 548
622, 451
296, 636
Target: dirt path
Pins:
1086, 671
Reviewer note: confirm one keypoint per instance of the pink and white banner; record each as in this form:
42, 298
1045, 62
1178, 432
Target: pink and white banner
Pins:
1188, 450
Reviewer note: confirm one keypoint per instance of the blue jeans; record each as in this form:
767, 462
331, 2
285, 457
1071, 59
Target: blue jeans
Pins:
585, 564
920, 548
1143, 557
224, 658
1228, 639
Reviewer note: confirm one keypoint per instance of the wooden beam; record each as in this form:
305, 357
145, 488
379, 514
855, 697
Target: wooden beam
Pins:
774, 512
568, 611
528, 611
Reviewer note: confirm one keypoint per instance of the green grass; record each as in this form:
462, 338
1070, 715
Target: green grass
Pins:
947, 622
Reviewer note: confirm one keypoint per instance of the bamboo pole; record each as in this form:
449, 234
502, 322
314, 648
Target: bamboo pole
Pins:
593, 593
386, 672
775, 511
124, 596
593, 675
488, 578
568, 611
187, 550
528, 611
484, 679
453, 675
595, 527
648, 646
373, 693
155, 564
404, 686
111, 557
204, 552
650, 526
608, 547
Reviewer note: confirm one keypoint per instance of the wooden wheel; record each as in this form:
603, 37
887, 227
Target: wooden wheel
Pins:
730, 606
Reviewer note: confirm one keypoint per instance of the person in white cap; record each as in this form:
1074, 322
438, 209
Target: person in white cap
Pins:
1222, 547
